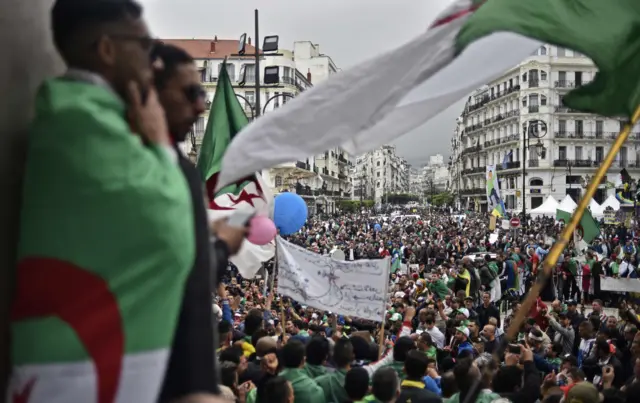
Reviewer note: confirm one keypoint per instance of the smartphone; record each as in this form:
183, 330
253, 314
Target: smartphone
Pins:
514, 348
240, 219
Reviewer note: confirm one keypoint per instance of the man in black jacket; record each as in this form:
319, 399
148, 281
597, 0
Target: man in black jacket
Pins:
191, 371
487, 310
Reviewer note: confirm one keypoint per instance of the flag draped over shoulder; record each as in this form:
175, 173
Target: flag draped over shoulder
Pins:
469, 44
226, 119
588, 227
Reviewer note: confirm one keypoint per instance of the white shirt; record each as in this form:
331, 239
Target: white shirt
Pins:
436, 336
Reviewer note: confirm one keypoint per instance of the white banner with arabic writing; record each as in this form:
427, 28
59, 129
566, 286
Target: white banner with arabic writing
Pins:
357, 289
620, 284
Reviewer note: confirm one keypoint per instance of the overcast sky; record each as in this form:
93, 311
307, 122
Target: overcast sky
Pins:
350, 31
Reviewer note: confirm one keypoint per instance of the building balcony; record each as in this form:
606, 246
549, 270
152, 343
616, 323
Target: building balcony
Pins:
597, 135
509, 165
473, 128
475, 170
533, 163
472, 149
473, 191
575, 163
500, 94
534, 108
564, 84
564, 109
533, 83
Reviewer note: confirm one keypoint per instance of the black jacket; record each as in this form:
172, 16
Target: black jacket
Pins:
485, 313
192, 363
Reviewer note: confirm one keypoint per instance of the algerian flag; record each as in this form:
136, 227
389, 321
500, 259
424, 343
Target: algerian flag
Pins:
470, 44
226, 119
106, 245
587, 229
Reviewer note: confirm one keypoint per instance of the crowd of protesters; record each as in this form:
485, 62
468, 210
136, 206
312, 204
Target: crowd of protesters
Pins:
445, 324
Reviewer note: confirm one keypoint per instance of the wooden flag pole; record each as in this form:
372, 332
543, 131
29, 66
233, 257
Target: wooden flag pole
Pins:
386, 296
566, 236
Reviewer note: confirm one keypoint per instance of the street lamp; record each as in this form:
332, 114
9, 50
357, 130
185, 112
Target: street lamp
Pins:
536, 129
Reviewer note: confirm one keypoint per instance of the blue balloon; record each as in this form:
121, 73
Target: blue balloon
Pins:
377, 227
289, 213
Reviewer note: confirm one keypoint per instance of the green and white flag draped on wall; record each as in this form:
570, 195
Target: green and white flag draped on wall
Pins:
471, 43
106, 244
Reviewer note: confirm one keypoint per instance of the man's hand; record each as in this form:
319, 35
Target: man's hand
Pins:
222, 291
231, 236
148, 118
526, 354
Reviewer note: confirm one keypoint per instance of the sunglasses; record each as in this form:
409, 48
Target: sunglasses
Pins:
194, 92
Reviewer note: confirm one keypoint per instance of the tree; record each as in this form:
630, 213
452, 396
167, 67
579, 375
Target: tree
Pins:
442, 199
399, 198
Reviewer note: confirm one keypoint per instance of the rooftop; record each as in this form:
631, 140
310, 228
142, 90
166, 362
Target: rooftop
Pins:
211, 48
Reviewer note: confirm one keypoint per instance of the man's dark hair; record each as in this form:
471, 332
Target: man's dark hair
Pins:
448, 385
317, 350
70, 19
172, 57
384, 384
356, 383
293, 354
229, 374
231, 354
257, 335
300, 324
403, 345
416, 365
343, 353
224, 327
273, 389
507, 379
253, 321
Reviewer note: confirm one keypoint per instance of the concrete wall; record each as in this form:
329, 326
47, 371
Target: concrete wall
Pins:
27, 57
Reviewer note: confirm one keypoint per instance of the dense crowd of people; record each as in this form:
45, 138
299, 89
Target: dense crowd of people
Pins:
455, 289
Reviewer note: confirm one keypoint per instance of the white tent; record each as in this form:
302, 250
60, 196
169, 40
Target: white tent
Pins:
547, 208
567, 204
611, 202
596, 209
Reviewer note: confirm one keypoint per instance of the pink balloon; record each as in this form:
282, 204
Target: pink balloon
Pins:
261, 230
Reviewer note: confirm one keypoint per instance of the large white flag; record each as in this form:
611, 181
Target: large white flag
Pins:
357, 289
361, 108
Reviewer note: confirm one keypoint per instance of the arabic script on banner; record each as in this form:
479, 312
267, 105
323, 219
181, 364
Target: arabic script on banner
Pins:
356, 289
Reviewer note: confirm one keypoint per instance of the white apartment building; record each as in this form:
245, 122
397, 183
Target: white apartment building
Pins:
321, 180
378, 173
560, 161
435, 175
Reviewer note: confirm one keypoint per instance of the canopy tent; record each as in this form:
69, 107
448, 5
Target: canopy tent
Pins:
567, 204
549, 207
596, 210
611, 202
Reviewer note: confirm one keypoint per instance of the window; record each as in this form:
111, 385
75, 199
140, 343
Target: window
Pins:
231, 69
599, 127
276, 100
251, 97
562, 79
378, 174
543, 75
378, 163
621, 125
524, 102
249, 73
578, 80
562, 152
536, 182
562, 126
533, 100
579, 127
561, 52
578, 152
599, 154
543, 51
623, 157
524, 77
543, 100
278, 181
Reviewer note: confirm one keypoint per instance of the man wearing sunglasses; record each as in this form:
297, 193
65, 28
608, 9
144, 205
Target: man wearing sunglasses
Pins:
192, 364
106, 228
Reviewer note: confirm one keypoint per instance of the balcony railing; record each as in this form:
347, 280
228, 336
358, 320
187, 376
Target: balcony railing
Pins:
534, 108
288, 80
509, 165
575, 163
533, 163
564, 84
534, 83
473, 191
564, 109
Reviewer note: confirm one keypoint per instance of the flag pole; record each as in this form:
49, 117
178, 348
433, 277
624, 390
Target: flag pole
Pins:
567, 233
386, 295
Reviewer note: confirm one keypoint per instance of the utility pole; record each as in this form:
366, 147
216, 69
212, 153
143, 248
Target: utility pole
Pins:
258, 109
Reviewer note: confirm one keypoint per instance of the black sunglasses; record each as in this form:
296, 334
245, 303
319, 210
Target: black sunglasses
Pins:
194, 92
